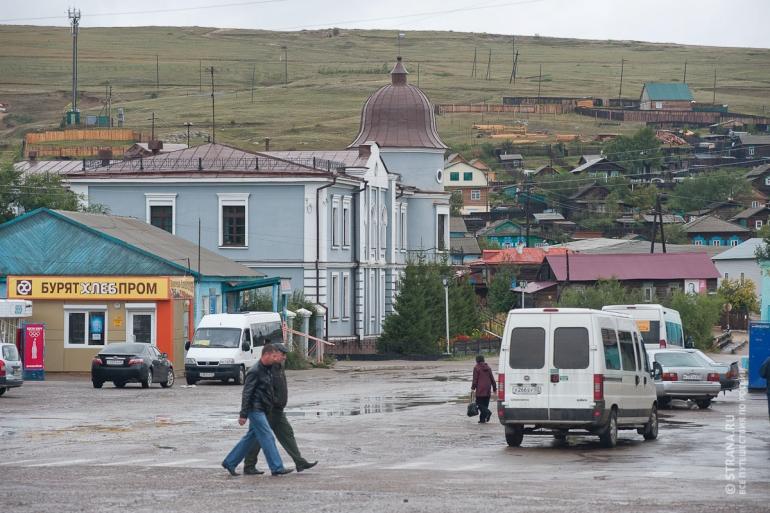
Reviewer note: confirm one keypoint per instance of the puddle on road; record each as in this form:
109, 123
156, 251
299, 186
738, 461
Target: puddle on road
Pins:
368, 405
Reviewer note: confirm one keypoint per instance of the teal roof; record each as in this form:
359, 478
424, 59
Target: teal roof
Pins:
668, 91
49, 242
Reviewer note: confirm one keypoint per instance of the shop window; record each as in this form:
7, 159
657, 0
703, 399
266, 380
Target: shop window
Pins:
233, 220
85, 326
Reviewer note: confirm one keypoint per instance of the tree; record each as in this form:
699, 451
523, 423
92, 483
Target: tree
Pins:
604, 292
637, 153
741, 294
500, 297
763, 250
675, 234
463, 309
8, 189
45, 190
456, 203
643, 197
696, 193
699, 312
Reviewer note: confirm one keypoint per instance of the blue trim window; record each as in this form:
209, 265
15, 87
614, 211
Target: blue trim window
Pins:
454, 176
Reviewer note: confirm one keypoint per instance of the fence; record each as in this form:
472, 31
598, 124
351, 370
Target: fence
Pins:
103, 134
476, 346
77, 152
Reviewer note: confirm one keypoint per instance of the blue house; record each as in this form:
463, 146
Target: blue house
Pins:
341, 225
712, 231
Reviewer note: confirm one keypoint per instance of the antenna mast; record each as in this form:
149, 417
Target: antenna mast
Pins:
74, 16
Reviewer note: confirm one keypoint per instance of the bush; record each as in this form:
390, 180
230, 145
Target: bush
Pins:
700, 313
605, 292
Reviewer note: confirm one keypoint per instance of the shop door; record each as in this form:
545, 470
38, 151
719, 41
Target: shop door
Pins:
140, 327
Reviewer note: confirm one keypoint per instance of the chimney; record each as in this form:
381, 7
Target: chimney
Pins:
105, 155
267, 144
33, 155
155, 146
364, 150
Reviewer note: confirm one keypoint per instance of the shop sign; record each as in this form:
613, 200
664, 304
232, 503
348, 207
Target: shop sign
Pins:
182, 287
87, 287
34, 346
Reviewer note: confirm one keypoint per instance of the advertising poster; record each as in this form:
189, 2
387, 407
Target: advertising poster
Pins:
34, 346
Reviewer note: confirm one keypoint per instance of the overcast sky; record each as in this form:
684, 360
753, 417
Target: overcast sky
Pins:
743, 23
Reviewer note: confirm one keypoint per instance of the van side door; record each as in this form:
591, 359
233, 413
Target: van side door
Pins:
571, 373
630, 409
613, 370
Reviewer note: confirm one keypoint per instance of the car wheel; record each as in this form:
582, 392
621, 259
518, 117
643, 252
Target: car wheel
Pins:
241, 377
650, 431
560, 436
703, 403
97, 384
609, 437
2, 390
119, 384
190, 381
169, 380
146, 382
514, 435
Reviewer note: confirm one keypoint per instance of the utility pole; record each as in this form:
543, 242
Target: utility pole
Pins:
528, 188
684, 77
253, 75
418, 74
473, 71
200, 76
620, 91
285, 66
539, 80
513, 57
74, 16
188, 125
515, 67
213, 122
489, 64
660, 213
152, 133
714, 99
157, 72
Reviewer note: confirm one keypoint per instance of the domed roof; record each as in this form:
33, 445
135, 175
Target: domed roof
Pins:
399, 115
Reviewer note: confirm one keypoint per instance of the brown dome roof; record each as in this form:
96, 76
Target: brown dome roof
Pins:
399, 115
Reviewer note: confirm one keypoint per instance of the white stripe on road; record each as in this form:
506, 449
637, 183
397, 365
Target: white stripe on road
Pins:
61, 463
9, 463
125, 463
175, 463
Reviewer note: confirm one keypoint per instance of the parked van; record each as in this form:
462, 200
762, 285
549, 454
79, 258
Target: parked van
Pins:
565, 369
660, 327
225, 346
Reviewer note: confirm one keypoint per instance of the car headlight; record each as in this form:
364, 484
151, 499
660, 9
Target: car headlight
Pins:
226, 361
190, 361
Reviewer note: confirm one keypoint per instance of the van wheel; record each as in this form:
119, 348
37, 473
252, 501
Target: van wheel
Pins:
514, 435
239, 379
190, 381
2, 390
650, 431
609, 437
703, 403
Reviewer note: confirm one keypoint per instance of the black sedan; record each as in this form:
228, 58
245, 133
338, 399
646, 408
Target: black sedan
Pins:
131, 363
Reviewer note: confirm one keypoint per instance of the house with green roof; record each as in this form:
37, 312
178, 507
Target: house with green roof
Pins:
666, 96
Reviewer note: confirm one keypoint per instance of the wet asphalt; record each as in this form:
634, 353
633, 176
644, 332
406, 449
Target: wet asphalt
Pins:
389, 436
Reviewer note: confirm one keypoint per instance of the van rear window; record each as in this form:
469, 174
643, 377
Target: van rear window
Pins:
527, 348
650, 331
570, 348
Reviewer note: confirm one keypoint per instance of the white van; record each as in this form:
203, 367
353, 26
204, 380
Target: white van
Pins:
660, 327
564, 369
226, 345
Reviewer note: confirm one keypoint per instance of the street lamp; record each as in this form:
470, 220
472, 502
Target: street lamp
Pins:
522, 286
445, 282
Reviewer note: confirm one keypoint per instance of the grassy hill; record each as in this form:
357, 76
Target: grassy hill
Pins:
330, 75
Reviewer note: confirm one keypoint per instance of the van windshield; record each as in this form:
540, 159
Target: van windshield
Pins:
650, 331
217, 337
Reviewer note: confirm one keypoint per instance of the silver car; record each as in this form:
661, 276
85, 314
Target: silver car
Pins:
729, 373
682, 375
10, 367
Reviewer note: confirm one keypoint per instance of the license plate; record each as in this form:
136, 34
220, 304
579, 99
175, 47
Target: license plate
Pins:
207, 374
525, 389
115, 362
692, 377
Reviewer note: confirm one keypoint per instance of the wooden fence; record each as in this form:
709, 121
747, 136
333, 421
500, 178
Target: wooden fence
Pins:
96, 134
76, 152
453, 108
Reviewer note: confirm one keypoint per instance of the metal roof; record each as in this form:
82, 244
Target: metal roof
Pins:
743, 251
658, 266
59, 242
711, 224
349, 158
668, 91
464, 245
398, 115
617, 246
457, 224
754, 139
749, 212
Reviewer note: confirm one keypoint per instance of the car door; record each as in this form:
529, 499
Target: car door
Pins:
156, 364
571, 373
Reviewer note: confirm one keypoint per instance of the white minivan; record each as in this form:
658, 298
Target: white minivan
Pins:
660, 327
574, 369
226, 345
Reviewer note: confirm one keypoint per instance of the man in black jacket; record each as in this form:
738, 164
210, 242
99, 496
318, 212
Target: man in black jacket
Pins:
256, 403
764, 372
279, 423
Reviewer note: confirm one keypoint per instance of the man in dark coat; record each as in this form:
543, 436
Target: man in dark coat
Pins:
484, 384
256, 403
764, 371
279, 424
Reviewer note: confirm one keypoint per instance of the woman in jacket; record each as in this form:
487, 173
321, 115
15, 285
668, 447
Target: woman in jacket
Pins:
484, 384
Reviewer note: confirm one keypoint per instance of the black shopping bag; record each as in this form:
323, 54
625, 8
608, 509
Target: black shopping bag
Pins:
473, 408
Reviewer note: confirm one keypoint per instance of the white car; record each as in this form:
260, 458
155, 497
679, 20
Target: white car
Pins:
10, 367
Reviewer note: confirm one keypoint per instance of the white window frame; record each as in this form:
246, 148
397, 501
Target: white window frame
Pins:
346, 231
334, 297
697, 242
758, 224
755, 204
404, 239
716, 243
161, 199
381, 301
345, 295
233, 199
383, 228
84, 309
397, 226
734, 242
335, 228
475, 194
